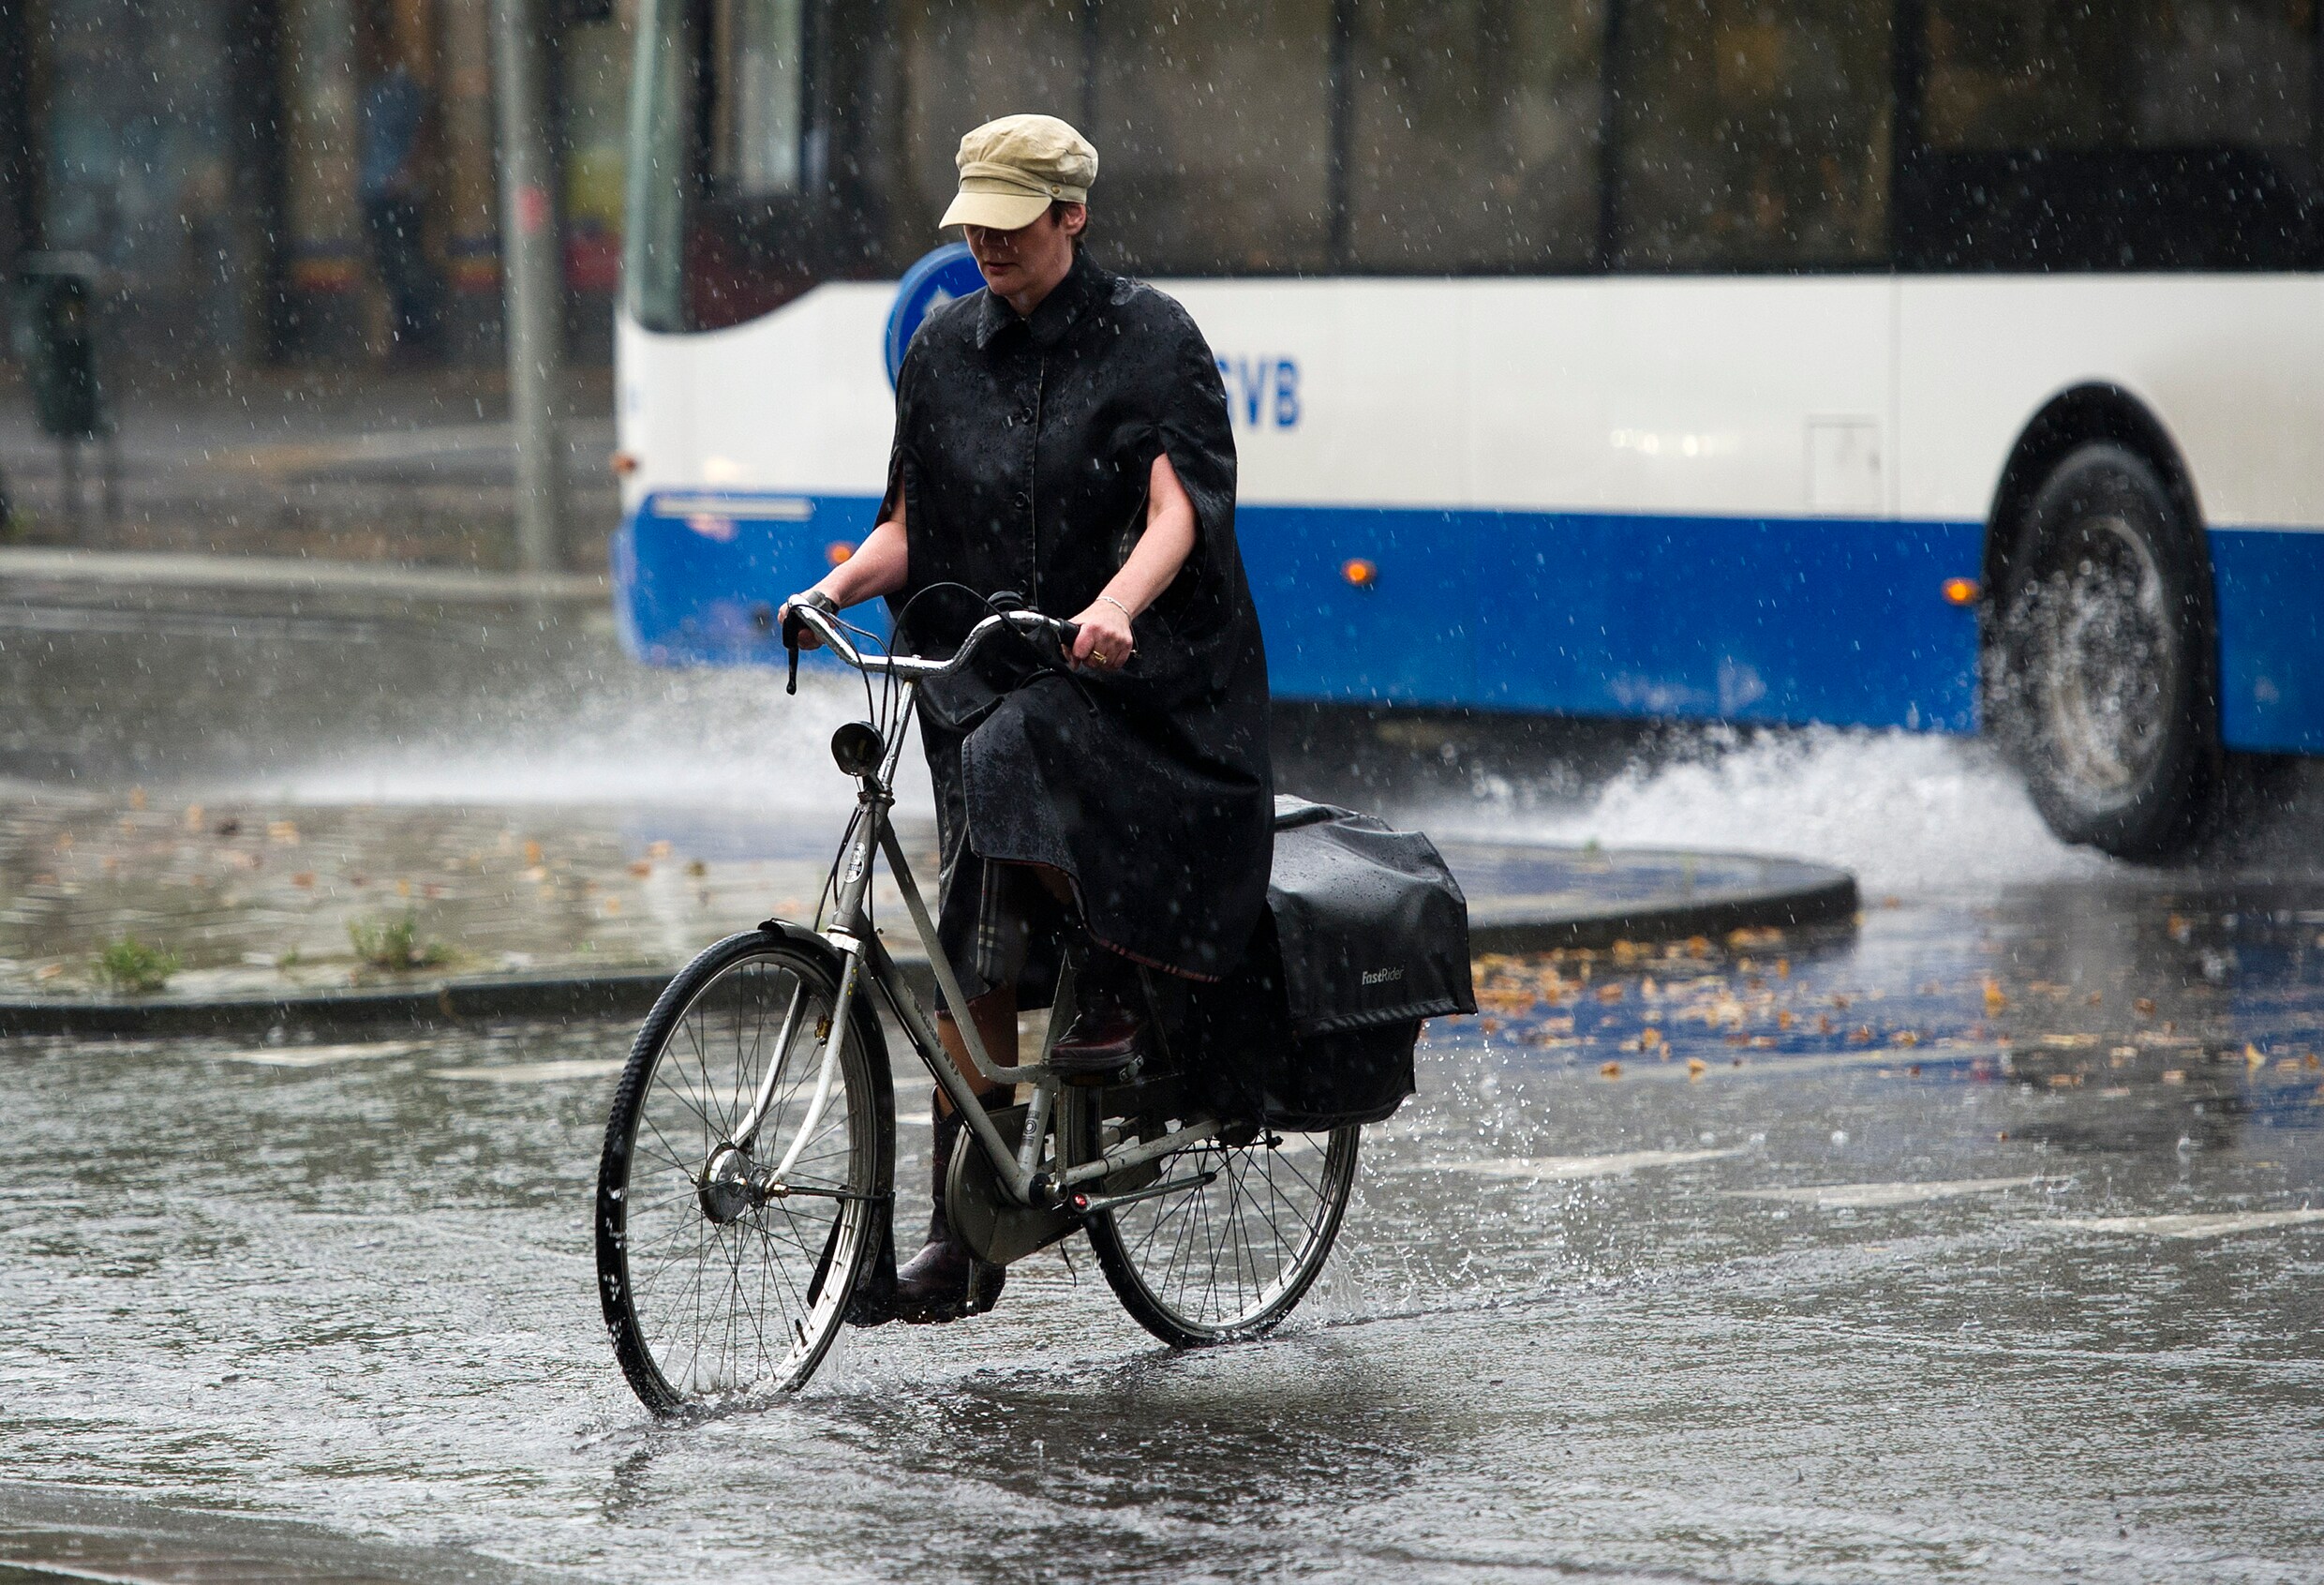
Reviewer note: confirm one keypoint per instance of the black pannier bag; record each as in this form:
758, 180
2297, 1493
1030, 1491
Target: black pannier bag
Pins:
1365, 935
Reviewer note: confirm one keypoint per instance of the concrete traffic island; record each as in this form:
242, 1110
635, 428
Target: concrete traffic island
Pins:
550, 914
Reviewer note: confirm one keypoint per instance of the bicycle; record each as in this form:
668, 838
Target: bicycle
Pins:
744, 1194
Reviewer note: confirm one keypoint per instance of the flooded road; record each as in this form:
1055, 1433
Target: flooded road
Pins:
2036, 1294
1987, 1237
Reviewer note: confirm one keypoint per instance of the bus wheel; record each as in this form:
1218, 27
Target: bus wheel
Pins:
2100, 680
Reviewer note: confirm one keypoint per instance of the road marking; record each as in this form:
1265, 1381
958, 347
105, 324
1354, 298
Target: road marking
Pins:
2192, 1226
1554, 1167
315, 1056
1858, 1196
537, 1073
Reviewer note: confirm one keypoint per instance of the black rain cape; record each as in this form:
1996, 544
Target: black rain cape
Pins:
1023, 447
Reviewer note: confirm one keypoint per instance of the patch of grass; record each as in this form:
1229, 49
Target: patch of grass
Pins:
130, 966
395, 944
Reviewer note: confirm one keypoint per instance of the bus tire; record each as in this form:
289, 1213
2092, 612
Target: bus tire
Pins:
2102, 677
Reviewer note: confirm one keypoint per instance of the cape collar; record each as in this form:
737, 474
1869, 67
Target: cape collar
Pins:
1059, 312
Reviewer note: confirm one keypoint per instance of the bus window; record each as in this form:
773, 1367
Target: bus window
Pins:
1751, 135
1473, 134
761, 51
659, 166
2113, 135
962, 63
2068, 74
1213, 121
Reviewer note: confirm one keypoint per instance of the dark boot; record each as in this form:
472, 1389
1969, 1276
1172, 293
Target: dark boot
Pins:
946, 1282
1109, 1017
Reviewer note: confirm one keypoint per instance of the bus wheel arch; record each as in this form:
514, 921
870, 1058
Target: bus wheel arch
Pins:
2100, 644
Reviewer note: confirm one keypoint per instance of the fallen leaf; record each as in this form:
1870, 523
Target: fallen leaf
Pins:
403, 888
657, 850
640, 868
532, 851
1611, 992
193, 816
1994, 999
1611, 1070
1697, 1068
283, 833
303, 878
2174, 1075
698, 869
2253, 1057
2143, 1006
48, 971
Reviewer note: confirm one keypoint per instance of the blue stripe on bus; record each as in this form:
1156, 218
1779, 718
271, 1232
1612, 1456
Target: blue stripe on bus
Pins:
2270, 597
1744, 619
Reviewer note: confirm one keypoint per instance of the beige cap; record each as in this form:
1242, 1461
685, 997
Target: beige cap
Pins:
1013, 169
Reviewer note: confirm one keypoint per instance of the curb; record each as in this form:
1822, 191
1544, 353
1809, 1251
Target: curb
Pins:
1787, 894
297, 574
1793, 895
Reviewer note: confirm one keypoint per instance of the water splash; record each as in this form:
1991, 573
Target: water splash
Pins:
634, 738
1907, 813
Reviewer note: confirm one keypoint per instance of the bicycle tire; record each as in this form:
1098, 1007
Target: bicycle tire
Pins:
675, 1282
1169, 1259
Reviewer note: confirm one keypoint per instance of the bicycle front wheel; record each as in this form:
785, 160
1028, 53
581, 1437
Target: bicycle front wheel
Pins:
717, 1277
1233, 1249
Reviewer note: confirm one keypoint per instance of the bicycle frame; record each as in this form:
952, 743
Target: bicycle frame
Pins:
863, 955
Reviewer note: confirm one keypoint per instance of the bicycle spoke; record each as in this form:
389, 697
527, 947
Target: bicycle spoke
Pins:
1231, 1253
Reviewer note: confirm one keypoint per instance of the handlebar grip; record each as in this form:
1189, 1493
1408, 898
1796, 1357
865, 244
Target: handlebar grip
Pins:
1067, 634
792, 628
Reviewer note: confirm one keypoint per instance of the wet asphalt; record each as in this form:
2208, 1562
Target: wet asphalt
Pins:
1983, 1239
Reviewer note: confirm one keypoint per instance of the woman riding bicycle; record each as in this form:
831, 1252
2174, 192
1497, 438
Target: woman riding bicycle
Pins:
1063, 437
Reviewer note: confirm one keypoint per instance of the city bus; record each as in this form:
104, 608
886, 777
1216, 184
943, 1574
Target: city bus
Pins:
1949, 366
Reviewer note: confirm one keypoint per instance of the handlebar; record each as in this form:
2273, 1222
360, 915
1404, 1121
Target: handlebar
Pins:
911, 668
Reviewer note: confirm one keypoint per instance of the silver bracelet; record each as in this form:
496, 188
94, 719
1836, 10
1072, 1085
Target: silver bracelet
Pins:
1128, 614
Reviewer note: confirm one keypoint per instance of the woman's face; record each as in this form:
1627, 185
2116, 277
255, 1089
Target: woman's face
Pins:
1021, 266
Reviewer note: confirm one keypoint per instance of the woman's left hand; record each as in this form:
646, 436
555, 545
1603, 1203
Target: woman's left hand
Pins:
1105, 643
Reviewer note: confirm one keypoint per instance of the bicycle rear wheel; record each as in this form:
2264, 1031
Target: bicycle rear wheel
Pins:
714, 1281
1232, 1251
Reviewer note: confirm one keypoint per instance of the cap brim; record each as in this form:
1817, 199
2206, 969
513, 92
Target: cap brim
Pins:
999, 212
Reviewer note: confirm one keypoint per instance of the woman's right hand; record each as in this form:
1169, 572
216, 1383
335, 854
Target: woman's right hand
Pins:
816, 597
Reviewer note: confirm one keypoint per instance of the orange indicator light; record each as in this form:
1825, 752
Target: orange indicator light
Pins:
1961, 591
836, 551
1359, 572
623, 464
